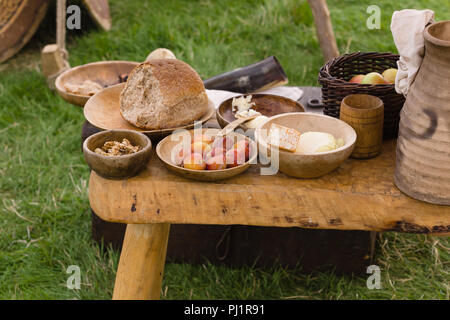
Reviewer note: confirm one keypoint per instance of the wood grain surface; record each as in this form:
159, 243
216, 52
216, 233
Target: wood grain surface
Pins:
103, 111
19, 20
99, 11
365, 113
105, 73
142, 260
359, 195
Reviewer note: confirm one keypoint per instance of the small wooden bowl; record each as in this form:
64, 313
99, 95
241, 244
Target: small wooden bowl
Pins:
309, 165
117, 167
106, 73
165, 147
267, 104
103, 111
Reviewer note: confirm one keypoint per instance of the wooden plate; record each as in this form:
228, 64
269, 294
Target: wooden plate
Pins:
165, 147
99, 11
19, 20
105, 73
267, 104
103, 111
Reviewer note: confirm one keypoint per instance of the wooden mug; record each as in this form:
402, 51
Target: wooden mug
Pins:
365, 113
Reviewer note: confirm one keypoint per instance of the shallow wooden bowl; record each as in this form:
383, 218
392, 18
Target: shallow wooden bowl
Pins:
103, 111
267, 104
309, 165
117, 167
166, 146
106, 73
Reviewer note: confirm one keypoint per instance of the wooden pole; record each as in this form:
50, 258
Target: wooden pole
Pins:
61, 24
141, 266
54, 57
324, 29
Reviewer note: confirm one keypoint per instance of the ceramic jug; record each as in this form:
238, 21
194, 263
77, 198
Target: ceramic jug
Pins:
423, 147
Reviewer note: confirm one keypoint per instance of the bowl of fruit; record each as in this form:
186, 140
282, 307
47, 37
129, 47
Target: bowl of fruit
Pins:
206, 155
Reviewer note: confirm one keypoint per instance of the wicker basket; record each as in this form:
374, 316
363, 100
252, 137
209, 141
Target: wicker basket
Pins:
334, 77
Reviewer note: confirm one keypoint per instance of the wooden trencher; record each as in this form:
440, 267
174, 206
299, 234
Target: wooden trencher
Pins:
19, 20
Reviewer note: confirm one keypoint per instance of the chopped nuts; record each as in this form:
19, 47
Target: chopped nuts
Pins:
114, 148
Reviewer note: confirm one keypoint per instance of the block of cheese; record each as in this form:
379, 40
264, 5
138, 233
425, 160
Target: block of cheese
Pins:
283, 137
315, 142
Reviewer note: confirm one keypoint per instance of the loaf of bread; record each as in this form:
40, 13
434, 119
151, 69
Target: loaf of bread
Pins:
163, 93
161, 53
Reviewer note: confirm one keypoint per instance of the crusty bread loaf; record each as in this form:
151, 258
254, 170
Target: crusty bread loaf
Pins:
161, 53
163, 93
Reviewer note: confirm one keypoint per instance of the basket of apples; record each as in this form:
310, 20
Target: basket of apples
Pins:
366, 73
205, 155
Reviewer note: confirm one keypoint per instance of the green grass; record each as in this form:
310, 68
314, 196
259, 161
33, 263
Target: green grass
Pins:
44, 209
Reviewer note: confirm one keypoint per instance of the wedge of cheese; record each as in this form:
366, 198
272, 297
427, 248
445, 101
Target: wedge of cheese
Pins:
283, 137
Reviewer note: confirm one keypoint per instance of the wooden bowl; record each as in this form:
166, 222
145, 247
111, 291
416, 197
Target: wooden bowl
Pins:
106, 73
117, 167
103, 111
309, 165
267, 104
166, 146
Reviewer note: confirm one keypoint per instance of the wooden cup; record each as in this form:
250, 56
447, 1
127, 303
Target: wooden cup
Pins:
365, 113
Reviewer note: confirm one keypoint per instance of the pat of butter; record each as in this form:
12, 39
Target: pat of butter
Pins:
252, 124
247, 113
256, 123
315, 142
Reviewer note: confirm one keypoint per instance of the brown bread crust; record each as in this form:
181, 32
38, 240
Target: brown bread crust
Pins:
163, 93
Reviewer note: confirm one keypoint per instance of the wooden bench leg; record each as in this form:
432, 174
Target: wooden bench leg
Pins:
142, 260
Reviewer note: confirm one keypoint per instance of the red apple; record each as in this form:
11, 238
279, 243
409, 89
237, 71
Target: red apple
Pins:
235, 157
178, 154
194, 161
357, 79
218, 151
200, 147
216, 163
244, 147
223, 142
205, 138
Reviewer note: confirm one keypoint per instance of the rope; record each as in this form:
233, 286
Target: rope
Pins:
225, 237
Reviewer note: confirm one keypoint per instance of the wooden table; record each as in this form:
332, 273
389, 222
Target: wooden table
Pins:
359, 195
